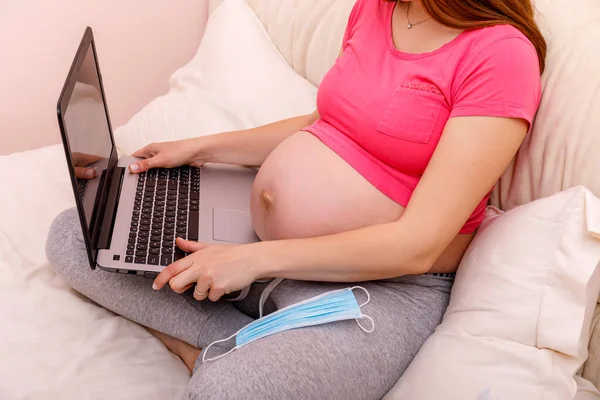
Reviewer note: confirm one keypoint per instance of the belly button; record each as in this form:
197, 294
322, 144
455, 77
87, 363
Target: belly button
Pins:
266, 200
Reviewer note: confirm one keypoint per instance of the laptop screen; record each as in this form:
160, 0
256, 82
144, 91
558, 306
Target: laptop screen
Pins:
86, 132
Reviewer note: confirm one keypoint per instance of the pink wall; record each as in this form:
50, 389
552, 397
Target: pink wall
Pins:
139, 42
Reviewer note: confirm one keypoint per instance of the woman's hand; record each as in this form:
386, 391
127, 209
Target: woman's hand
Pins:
216, 270
81, 162
171, 154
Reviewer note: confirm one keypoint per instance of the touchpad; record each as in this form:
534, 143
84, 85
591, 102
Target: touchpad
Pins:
233, 226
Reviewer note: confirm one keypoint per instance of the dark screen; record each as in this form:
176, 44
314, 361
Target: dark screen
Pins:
88, 135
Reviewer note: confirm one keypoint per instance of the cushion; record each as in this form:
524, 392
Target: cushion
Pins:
518, 322
236, 80
591, 369
586, 390
307, 33
561, 151
82, 350
53, 343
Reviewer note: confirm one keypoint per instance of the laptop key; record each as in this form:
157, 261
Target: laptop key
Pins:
166, 259
130, 252
144, 233
195, 195
153, 259
155, 238
130, 246
140, 260
154, 251
132, 235
194, 208
142, 240
132, 239
179, 255
155, 244
193, 219
129, 259
141, 253
142, 246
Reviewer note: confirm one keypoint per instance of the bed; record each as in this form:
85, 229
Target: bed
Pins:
55, 344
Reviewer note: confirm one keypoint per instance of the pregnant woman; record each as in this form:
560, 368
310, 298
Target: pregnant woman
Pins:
383, 186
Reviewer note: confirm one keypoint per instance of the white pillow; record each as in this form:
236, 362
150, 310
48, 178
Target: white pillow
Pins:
518, 322
236, 80
562, 150
53, 344
586, 390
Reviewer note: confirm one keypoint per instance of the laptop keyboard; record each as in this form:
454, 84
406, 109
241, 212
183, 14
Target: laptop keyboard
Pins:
81, 186
166, 207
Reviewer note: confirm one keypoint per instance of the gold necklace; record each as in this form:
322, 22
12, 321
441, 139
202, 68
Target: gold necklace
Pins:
410, 25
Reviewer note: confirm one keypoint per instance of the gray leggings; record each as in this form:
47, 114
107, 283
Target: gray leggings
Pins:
332, 361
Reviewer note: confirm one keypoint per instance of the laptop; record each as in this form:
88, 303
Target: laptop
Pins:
130, 221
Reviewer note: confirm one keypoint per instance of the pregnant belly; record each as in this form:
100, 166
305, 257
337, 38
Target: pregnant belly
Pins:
304, 189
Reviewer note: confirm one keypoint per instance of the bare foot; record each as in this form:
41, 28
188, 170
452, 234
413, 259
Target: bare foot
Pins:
181, 349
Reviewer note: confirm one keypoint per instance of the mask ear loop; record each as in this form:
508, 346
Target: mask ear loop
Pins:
363, 328
205, 351
365, 316
367, 293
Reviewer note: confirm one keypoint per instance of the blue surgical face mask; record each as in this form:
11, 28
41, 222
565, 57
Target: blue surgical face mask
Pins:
337, 305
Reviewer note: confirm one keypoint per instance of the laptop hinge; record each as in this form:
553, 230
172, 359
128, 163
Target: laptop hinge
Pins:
110, 210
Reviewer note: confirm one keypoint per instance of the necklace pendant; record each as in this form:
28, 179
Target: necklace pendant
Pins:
408, 26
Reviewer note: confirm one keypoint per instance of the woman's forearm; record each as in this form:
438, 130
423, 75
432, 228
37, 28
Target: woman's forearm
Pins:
371, 253
252, 146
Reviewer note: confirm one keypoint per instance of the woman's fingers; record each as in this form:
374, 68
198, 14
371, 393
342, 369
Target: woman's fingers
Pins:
145, 152
145, 165
189, 246
171, 271
215, 293
180, 282
201, 291
151, 160
85, 173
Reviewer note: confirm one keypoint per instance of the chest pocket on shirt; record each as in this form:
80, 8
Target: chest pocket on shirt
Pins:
412, 113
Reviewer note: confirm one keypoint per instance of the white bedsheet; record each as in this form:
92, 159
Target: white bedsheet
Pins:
53, 343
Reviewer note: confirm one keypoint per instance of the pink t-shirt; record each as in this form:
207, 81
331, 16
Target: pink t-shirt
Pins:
383, 111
